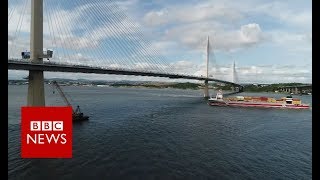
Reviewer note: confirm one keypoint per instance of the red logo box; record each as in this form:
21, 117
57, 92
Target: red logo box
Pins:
46, 132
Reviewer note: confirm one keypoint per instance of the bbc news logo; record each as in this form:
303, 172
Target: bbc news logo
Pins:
44, 137
46, 125
46, 132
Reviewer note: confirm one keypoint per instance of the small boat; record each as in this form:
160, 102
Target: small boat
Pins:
248, 101
77, 117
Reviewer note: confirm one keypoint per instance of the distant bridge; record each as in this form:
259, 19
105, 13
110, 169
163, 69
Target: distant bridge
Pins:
298, 89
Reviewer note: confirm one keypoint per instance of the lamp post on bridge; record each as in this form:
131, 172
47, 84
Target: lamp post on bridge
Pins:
36, 80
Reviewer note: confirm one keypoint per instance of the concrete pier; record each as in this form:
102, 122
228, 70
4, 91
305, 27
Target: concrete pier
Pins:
36, 95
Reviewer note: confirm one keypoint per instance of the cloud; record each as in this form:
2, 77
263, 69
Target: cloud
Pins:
283, 37
251, 33
294, 44
221, 18
291, 14
156, 18
274, 74
190, 13
194, 35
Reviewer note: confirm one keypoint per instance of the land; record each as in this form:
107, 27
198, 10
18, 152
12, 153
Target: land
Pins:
161, 85
153, 84
82, 82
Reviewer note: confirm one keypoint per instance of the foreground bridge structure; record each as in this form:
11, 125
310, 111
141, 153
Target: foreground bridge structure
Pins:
22, 65
36, 66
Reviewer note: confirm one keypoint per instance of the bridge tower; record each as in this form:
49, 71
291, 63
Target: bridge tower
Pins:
36, 80
233, 73
206, 85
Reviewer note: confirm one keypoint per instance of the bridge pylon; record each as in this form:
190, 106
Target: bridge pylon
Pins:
36, 95
206, 89
206, 85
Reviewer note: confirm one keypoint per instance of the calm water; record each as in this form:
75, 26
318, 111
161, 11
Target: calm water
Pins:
168, 134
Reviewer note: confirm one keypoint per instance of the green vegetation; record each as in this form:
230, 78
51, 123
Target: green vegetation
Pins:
121, 84
258, 87
186, 85
160, 85
267, 87
225, 87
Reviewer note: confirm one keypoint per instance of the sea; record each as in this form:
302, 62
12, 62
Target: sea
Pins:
143, 133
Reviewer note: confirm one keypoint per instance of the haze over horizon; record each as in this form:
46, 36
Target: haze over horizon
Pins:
270, 41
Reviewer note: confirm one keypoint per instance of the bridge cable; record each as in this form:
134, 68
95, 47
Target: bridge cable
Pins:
18, 28
123, 31
12, 10
91, 45
115, 49
116, 43
58, 28
139, 34
92, 37
116, 34
142, 50
68, 36
52, 35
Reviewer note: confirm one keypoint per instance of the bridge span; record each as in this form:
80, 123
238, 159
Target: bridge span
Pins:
20, 65
298, 89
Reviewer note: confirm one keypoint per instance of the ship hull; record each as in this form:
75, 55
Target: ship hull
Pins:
258, 104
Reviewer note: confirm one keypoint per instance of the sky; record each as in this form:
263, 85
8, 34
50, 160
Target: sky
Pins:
269, 41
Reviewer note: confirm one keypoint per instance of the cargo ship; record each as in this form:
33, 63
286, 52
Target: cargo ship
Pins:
247, 101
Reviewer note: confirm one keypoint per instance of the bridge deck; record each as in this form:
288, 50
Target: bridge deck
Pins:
20, 65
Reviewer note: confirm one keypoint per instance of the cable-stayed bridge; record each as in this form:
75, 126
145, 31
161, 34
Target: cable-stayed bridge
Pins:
104, 41
53, 67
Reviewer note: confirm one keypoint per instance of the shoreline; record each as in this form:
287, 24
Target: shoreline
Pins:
159, 87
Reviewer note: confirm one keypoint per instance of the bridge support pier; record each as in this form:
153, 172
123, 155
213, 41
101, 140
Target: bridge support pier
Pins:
36, 80
206, 89
36, 89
